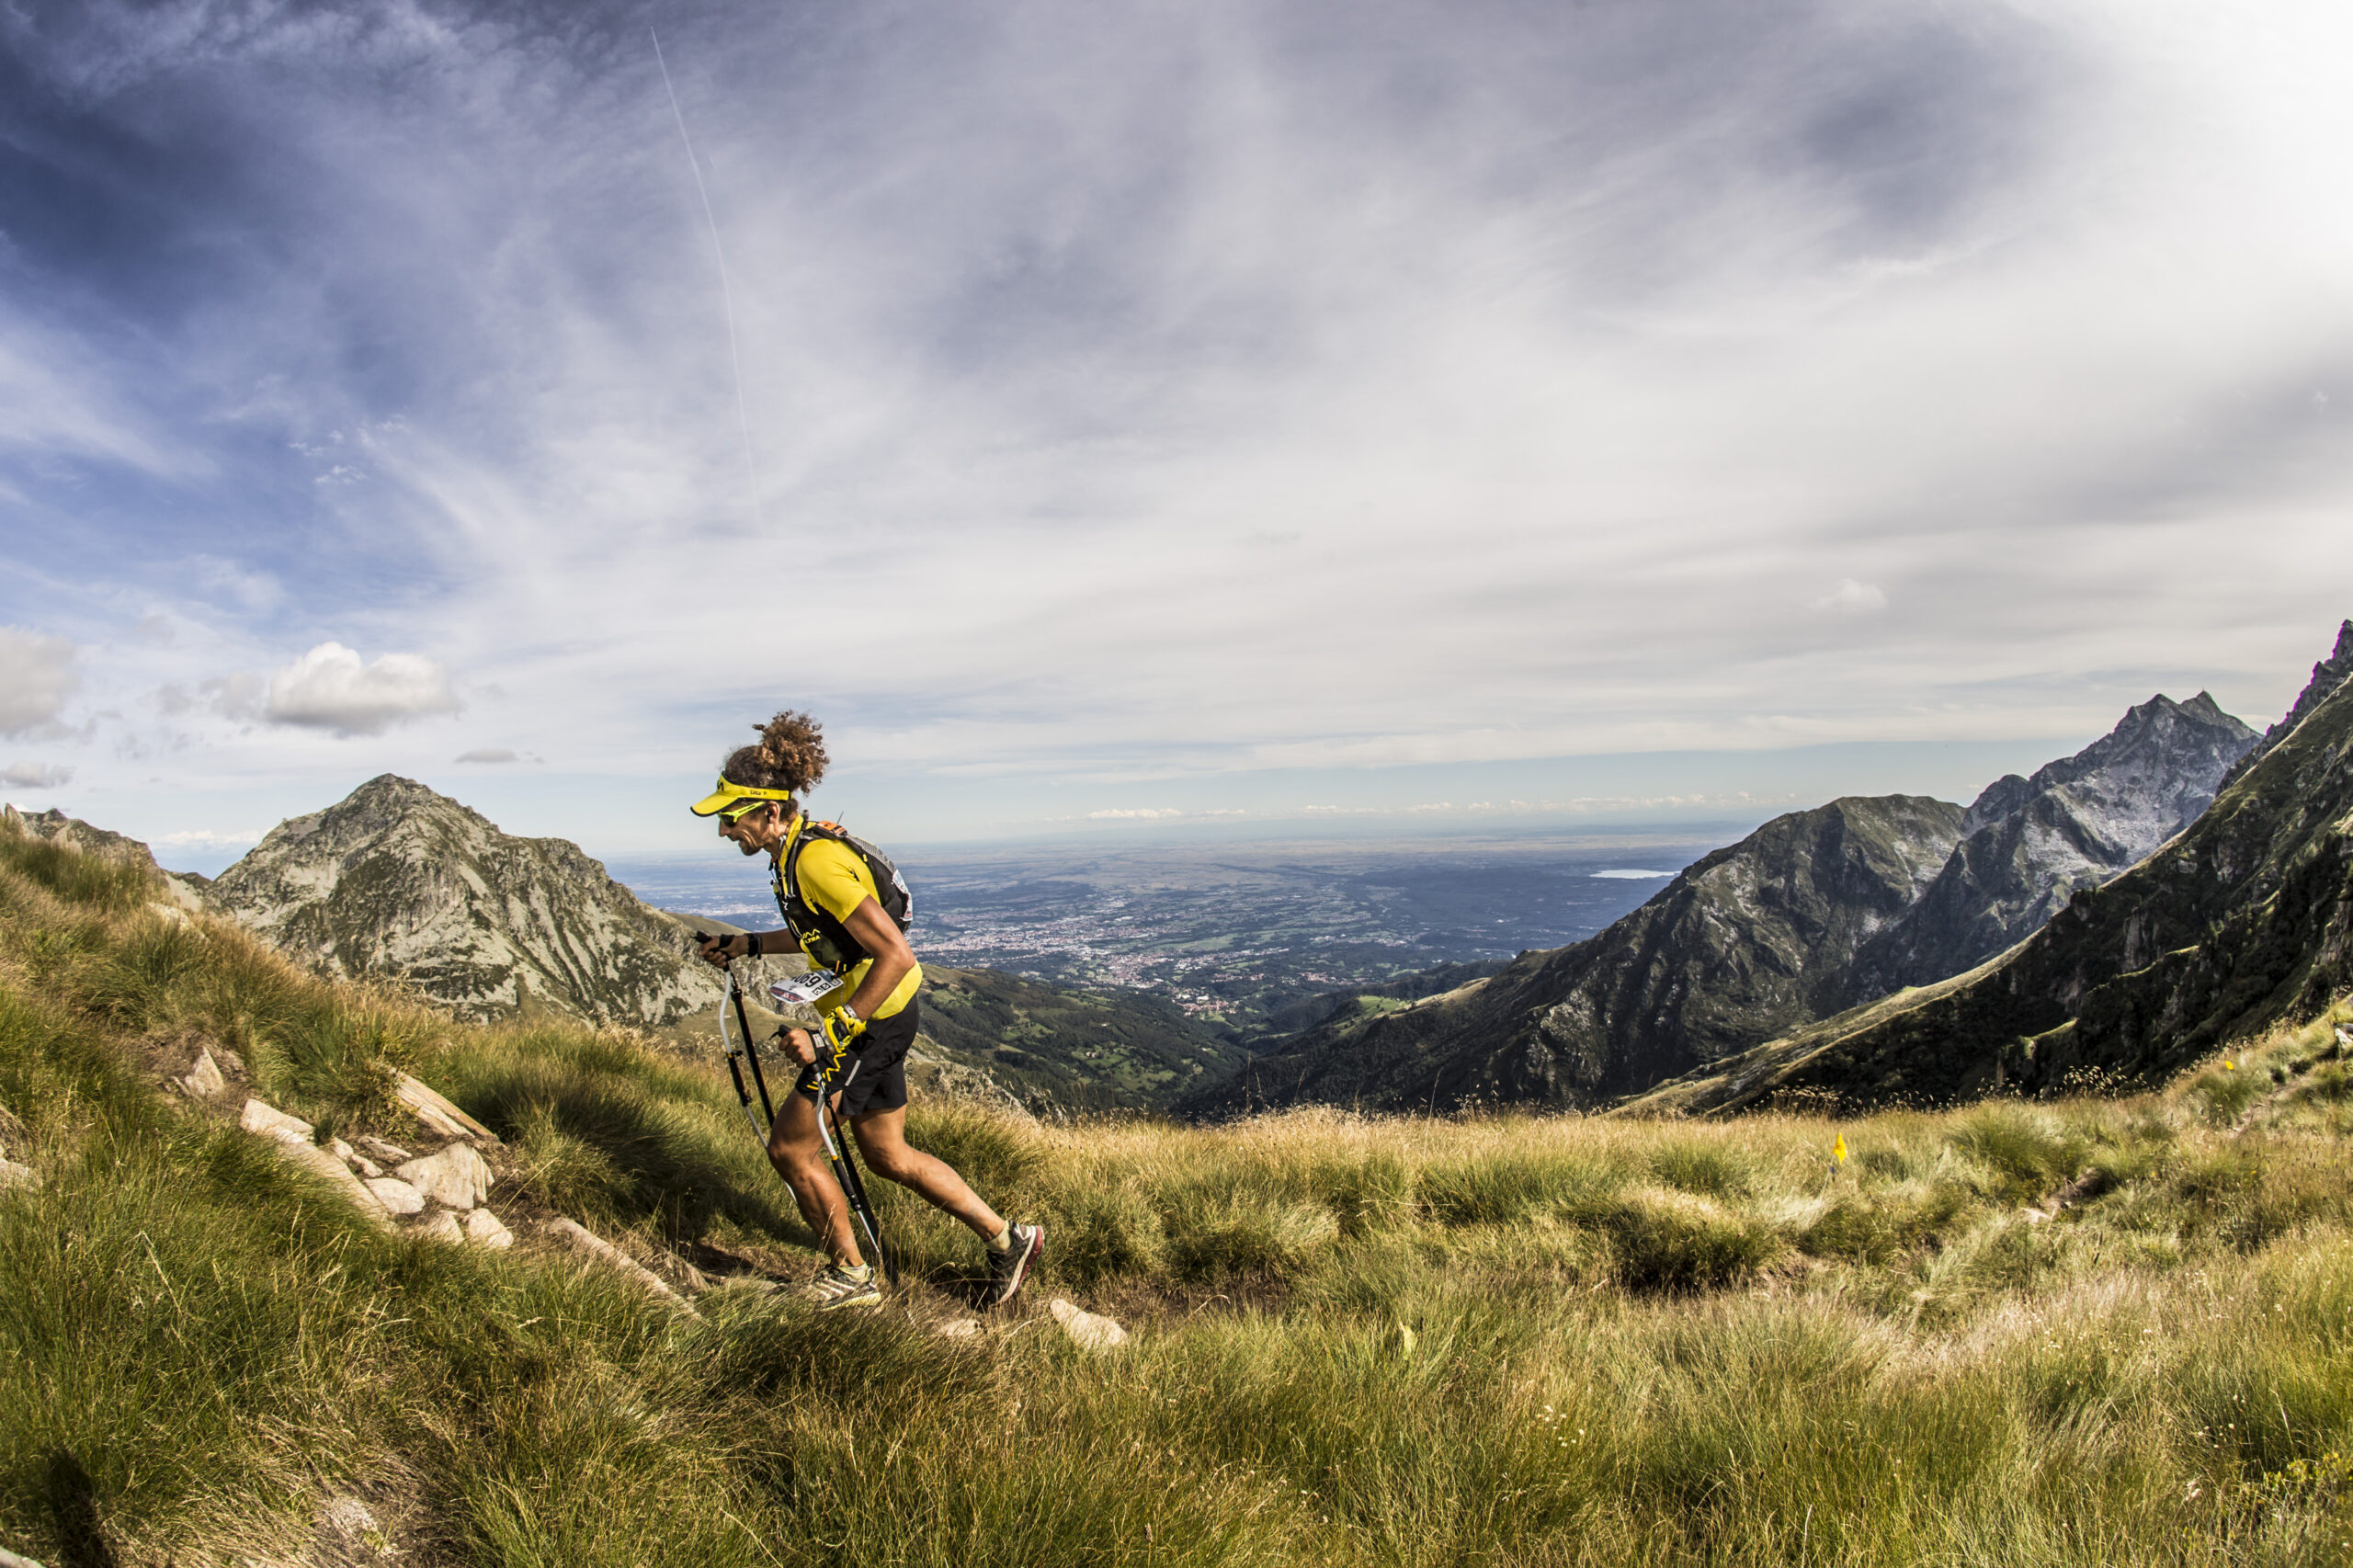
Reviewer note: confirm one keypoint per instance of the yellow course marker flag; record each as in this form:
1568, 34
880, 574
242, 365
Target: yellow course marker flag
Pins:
1838, 1150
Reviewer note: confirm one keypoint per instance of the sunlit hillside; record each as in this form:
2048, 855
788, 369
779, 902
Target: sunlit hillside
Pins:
2080, 1332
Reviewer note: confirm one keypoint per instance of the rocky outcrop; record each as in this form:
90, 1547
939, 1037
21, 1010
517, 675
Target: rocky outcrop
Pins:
185, 889
439, 1197
2328, 677
399, 883
2032, 844
1744, 944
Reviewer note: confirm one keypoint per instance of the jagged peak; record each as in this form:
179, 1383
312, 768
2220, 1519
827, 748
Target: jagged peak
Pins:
2142, 729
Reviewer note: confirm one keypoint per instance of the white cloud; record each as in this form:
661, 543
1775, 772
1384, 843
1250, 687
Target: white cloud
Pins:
496, 755
1851, 597
36, 673
36, 776
331, 688
1141, 812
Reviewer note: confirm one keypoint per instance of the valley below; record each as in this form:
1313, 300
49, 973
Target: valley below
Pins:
1240, 935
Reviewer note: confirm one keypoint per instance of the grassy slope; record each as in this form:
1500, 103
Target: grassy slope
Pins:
1524, 1340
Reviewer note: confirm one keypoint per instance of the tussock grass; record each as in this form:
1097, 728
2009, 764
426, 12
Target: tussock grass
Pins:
1511, 1340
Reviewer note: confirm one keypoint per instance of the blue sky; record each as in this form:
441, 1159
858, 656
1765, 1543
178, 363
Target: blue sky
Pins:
1247, 411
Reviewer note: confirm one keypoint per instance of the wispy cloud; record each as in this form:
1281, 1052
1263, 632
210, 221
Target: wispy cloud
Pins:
1145, 392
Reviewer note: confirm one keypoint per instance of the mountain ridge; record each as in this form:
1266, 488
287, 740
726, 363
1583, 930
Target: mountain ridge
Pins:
2236, 923
1811, 915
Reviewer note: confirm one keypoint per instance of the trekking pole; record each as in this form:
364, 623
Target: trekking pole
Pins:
829, 1128
739, 1053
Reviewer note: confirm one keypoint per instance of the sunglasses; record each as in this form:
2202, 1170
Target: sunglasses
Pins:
729, 816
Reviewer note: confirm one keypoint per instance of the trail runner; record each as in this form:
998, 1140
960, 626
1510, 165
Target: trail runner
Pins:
833, 912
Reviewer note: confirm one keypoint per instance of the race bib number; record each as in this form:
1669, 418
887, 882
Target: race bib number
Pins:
803, 990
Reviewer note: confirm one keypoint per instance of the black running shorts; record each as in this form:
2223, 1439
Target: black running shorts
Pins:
880, 1057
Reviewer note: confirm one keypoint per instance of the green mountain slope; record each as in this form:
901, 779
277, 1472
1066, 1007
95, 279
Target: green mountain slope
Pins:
1056, 1048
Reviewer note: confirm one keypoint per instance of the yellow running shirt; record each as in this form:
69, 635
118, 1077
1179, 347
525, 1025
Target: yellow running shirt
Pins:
836, 880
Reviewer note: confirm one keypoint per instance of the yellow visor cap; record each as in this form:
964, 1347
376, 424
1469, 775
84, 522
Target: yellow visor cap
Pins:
729, 794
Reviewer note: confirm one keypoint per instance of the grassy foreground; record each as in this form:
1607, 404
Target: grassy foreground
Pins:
1511, 1341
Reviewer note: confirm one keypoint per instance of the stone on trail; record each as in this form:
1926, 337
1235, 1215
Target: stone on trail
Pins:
369, 1169
15, 1175
203, 1079
311, 1157
442, 1227
1086, 1330
271, 1122
573, 1233
384, 1151
485, 1229
396, 1195
958, 1328
457, 1177
7, 1558
348, 1518
439, 1114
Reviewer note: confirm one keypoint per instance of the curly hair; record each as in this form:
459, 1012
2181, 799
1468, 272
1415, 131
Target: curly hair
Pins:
790, 756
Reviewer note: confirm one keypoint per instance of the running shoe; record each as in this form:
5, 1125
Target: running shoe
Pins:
838, 1287
1009, 1269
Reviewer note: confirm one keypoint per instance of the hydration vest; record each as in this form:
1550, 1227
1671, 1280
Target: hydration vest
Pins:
822, 937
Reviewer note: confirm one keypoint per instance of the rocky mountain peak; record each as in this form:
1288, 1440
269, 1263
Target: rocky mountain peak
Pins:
2161, 762
397, 880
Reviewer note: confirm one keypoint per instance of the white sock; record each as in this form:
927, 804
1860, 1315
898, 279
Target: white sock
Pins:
862, 1273
1003, 1240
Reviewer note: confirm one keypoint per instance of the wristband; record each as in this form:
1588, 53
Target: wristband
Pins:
751, 944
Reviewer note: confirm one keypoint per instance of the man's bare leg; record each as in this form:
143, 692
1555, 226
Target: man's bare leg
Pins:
882, 1139
799, 1155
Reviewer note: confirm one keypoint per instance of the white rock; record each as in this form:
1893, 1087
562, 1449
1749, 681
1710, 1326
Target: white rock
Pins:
1085, 1330
573, 1233
2033, 1216
442, 1226
204, 1079
384, 1151
958, 1328
369, 1169
397, 1197
271, 1122
15, 1175
485, 1229
7, 1558
347, 1516
311, 1157
231, 1061
439, 1114
457, 1177
171, 914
